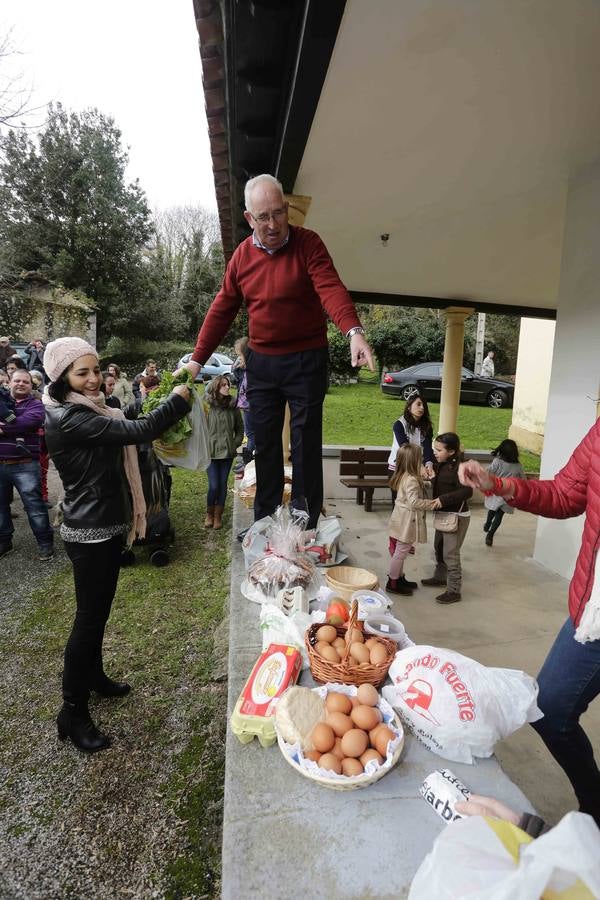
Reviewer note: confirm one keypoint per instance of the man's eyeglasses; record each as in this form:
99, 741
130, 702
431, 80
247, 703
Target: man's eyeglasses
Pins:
274, 214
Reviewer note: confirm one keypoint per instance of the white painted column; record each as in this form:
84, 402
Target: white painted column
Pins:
453, 358
576, 362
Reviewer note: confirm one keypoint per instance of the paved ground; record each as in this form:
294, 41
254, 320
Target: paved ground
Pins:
511, 611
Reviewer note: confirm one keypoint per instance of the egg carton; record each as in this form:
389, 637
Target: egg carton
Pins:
292, 600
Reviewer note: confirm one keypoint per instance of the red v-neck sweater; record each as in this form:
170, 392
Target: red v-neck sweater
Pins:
287, 295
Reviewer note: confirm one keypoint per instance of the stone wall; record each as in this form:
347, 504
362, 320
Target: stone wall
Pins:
37, 310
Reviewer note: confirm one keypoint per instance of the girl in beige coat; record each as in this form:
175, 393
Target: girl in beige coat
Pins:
407, 524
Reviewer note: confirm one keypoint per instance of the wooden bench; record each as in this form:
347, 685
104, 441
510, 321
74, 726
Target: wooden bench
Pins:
364, 470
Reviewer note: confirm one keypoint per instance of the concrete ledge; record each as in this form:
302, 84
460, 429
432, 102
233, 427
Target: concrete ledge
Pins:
285, 837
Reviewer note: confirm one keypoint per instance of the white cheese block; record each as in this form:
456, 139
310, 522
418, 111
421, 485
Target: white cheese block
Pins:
297, 713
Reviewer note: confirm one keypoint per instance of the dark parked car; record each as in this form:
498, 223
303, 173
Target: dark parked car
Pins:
218, 364
427, 379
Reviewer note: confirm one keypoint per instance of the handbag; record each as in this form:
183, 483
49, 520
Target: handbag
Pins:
446, 521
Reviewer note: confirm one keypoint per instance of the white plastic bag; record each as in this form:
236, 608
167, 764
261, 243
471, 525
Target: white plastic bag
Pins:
488, 859
454, 705
277, 628
192, 453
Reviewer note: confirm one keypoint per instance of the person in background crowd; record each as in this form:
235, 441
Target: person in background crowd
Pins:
505, 465
151, 368
453, 497
225, 434
407, 523
93, 449
487, 366
4, 379
35, 356
20, 467
122, 391
570, 677
13, 363
37, 379
240, 380
5, 350
108, 387
289, 285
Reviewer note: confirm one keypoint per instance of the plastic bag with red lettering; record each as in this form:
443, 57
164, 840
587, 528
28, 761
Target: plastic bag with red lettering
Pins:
454, 705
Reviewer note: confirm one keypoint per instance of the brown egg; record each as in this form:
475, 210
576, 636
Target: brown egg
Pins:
365, 717
373, 734
314, 755
320, 645
327, 633
339, 644
382, 739
371, 754
330, 653
359, 652
336, 702
379, 654
364, 665
370, 642
354, 635
354, 701
351, 767
340, 723
355, 742
323, 737
367, 695
337, 749
331, 763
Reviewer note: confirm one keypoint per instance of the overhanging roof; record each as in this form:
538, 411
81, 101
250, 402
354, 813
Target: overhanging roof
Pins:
454, 128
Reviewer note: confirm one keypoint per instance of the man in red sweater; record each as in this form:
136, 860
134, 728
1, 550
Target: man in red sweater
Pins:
289, 285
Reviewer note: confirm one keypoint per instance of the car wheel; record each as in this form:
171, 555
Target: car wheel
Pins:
497, 399
408, 390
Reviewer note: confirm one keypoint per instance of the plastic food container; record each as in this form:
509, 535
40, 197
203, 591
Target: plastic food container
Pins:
387, 627
370, 603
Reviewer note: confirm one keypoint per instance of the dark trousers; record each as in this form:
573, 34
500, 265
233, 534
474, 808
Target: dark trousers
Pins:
568, 682
493, 521
95, 572
299, 379
218, 473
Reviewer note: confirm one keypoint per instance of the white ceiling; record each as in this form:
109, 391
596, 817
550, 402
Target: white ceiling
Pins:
454, 125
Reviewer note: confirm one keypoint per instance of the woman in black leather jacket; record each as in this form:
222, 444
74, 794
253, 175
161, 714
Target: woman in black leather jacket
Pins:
91, 446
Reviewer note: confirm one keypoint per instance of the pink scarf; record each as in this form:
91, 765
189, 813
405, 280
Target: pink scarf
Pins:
130, 458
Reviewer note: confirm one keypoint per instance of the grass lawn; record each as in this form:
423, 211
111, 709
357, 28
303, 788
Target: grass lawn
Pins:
359, 414
143, 818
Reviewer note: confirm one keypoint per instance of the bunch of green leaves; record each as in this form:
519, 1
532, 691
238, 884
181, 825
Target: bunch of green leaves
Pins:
182, 429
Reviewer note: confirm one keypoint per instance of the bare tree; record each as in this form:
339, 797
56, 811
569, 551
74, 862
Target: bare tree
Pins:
15, 94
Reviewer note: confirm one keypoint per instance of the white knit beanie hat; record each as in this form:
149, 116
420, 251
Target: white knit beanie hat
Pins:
59, 355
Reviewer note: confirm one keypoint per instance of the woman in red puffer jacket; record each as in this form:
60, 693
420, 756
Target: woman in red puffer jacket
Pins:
570, 677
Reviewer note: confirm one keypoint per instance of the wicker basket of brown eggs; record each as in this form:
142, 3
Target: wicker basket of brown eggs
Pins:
340, 653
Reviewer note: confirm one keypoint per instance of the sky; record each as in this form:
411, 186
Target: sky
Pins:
135, 60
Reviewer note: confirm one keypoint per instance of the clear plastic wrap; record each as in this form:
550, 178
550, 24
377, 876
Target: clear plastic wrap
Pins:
284, 564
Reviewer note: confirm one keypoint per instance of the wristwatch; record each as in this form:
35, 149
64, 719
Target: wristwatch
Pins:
356, 330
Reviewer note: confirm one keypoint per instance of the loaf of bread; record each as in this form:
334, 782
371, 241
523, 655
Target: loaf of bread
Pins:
297, 713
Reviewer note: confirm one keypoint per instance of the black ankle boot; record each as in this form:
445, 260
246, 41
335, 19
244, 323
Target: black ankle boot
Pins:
409, 584
106, 687
395, 586
74, 722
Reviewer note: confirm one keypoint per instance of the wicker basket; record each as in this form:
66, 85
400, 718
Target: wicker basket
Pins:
346, 671
350, 782
344, 580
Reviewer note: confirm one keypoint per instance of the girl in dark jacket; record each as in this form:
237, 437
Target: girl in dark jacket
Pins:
92, 447
453, 497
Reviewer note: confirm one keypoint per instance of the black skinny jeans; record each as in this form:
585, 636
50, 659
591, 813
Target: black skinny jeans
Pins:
95, 572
